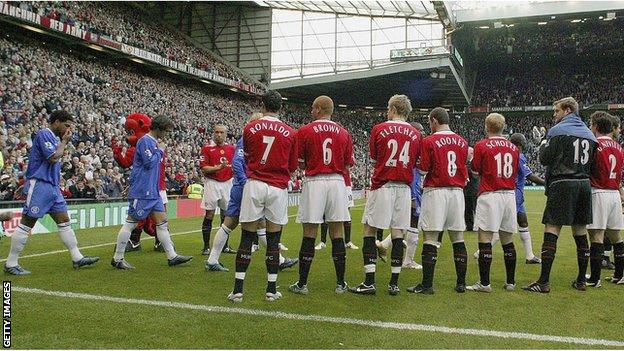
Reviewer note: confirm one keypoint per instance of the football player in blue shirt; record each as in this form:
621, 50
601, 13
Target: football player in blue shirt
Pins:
43, 195
144, 198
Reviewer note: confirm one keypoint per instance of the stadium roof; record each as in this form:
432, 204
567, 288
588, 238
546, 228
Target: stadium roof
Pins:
428, 83
407, 9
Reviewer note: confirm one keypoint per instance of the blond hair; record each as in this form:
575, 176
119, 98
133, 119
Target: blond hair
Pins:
568, 102
495, 123
402, 104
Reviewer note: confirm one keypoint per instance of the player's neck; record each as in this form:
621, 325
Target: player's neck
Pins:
443, 128
490, 135
152, 134
603, 136
269, 114
326, 118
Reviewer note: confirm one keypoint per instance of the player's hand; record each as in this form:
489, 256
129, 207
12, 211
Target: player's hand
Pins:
67, 136
223, 164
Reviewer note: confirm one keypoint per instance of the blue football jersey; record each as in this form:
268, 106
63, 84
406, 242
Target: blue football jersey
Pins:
416, 186
145, 169
523, 172
239, 167
44, 146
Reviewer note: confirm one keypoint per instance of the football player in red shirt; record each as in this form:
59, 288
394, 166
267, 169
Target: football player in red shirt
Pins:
270, 147
496, 161
325, 152
216, 165
394, 148
605, 179
443, 161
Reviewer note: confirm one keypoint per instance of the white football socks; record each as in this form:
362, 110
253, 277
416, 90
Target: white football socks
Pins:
18, 241
218, 244
68, 237
525, 236
162, 231
122, 239
411, 239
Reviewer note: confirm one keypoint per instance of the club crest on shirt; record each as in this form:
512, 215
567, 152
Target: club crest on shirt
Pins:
34, 210
222, 152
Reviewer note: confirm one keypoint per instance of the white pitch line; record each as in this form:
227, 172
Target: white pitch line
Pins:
327, 319
114, 243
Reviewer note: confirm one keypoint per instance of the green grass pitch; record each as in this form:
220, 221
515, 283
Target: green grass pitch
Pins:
42, 321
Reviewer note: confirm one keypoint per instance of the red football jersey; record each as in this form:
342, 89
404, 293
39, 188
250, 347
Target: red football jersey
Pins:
270, 147
213, 155
325, 147
607, 168
496, 161
395, 147
443, 158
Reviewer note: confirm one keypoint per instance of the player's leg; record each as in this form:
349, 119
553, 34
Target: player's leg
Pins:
429, 259
369, 254
219, 242
306, 256
510, 258
324, 228
134, 244
347, 224
47, 199
123, 237
606, 255
206, 230
549, 249
557, 206
272, 258
276, 215
339, 255
411, 239
396, 259
18, 242
68, 237
243, 258
162, 231
618, 255
582, 255
485, 259
432, 220
377, 215
525, 237
596, 249
210, 200
347, 230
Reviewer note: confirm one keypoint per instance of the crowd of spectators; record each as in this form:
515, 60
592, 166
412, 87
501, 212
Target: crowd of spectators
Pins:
126, 24
37, 78
530, 40
534, 65
541, 84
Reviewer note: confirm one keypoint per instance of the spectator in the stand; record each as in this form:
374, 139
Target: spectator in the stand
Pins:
81, 191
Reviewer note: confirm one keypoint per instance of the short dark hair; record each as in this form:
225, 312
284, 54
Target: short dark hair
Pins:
518, 139
603, 122
272, 101
162, 123
61, 116
440, 115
